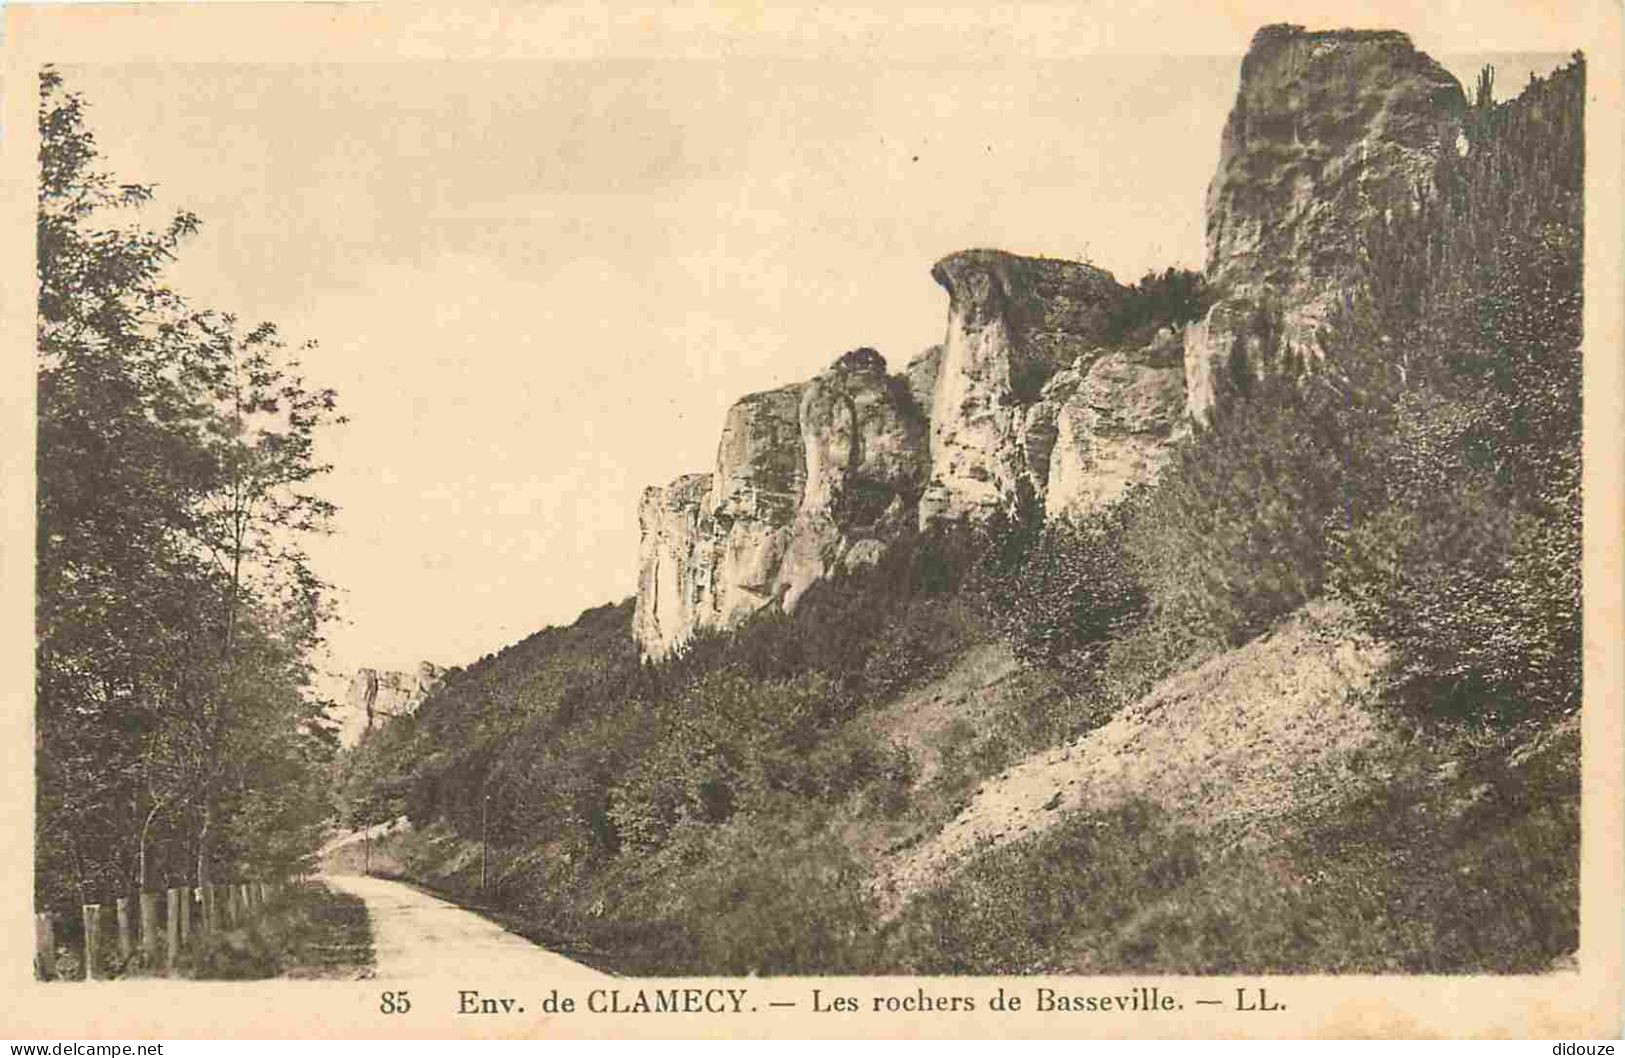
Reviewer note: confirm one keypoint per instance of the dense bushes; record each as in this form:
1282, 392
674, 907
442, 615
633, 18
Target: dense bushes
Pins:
1448, 865
770, 896
1469, 557
1019, 908
307, 931
1465, 866
567, 741
1066, 595
1167, 299
1233, 536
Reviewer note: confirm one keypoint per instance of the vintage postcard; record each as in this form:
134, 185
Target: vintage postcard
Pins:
730, 520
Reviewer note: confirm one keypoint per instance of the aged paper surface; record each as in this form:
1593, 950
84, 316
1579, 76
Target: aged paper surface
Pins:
386, 50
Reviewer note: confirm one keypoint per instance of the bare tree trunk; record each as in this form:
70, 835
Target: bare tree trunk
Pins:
143, 865
205, 849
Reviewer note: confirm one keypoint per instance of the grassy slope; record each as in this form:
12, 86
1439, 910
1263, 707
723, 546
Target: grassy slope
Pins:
1455, 856
1369, 845
1220, 746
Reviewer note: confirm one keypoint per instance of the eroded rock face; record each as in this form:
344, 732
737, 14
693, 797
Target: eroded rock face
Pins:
1025, 407
761, 470
1116, 429
921, 378
826, 475
1013, 322
866, 453
674, 567
1328, 129
809, 478
376, 697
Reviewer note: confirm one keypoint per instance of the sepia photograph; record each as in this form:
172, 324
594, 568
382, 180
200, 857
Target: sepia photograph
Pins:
786, 528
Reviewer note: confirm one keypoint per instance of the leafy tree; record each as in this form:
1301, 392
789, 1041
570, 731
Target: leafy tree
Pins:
175, 611
261, 447
1233, 535
118, 476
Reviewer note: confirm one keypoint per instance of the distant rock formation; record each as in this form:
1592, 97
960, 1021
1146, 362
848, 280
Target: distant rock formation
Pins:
375, 698
1328, 130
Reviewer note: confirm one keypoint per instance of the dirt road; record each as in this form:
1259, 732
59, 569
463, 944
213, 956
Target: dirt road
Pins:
416, 935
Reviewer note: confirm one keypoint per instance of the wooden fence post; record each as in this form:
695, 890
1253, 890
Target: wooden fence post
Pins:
149, 928
125, 946
174, 915
93, 940
45, 945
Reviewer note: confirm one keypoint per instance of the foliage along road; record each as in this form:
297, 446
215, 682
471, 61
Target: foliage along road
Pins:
418, 936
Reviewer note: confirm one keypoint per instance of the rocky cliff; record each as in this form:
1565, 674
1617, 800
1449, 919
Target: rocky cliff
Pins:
1328, 130
808, 478
1114, 425
1032, 405
1013, 323
1022, 404
374, 698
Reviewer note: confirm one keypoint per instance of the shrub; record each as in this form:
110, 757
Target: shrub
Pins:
1472, 867
1026, 907
1233, 536
773, 896
308, 931
1070, 594
1169, 299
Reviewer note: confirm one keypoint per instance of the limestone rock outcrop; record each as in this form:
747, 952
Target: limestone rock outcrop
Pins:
1022, 399
1116, 427
921, 378
1013, 322
376, 697
1328, 130
755, 491
1032, 404
809, 478
865, 445
674, 567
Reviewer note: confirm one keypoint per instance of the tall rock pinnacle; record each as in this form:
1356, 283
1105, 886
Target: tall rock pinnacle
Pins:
1329, 129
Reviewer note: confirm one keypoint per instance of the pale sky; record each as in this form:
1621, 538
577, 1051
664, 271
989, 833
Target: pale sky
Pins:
537, 286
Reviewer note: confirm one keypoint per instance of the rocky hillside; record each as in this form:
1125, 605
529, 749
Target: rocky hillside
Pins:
1224, 746
1028, 406
1161, 627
